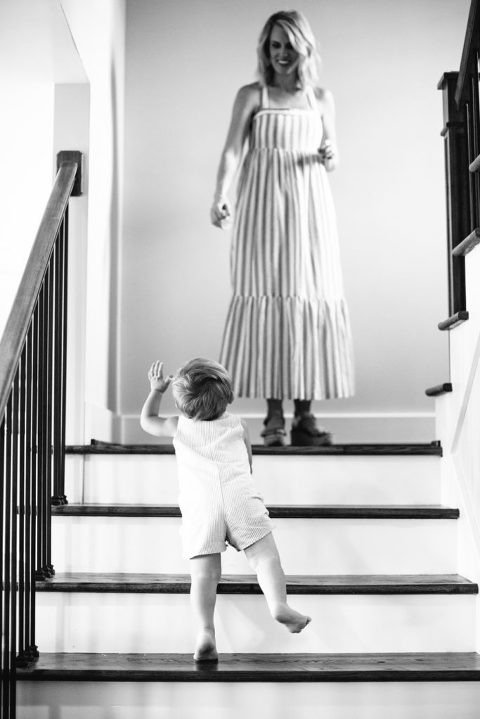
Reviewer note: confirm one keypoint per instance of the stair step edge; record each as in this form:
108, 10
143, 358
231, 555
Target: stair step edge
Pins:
434, 448
89, 582
276, 511
403, 667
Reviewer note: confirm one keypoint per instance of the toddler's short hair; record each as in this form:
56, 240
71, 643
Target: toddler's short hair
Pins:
202, 389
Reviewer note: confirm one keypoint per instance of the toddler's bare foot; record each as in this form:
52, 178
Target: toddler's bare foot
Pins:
292, 620
206, 650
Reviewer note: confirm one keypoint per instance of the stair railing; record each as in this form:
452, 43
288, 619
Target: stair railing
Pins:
33, 353
461, 133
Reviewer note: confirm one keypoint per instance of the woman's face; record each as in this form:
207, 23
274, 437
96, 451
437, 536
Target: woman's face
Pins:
283, 57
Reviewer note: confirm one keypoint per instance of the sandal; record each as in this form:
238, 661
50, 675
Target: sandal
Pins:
305, 433
274, 433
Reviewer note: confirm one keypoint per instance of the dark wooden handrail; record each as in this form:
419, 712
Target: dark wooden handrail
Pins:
16, 328
470, 47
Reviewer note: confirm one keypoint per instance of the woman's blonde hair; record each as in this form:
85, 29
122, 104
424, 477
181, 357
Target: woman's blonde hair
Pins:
302, 39
202, 389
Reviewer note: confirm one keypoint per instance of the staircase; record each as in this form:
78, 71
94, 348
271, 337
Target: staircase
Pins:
371, 536
370, 554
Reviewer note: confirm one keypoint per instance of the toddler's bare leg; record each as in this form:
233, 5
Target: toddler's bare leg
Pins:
205, 572
264, 559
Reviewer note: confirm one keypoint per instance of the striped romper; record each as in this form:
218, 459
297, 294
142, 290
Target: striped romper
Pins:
287, 332
218, 499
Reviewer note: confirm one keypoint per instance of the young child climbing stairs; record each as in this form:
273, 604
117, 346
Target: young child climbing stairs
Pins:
218, 499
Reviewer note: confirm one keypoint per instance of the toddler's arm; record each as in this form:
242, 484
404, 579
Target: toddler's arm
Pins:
248, 445
149, 419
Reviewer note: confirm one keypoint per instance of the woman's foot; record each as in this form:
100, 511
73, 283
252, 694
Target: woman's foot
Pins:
274, 434
305, 433
292, 620
206, 650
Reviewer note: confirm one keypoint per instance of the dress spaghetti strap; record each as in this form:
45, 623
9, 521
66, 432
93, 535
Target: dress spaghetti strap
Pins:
310, 93
265, 101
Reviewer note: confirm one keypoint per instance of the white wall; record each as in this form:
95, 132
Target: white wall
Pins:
382, 60
458, 427
36, 51
26, 146
98, 29
71, 132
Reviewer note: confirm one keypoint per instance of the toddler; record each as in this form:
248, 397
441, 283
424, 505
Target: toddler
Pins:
218, 499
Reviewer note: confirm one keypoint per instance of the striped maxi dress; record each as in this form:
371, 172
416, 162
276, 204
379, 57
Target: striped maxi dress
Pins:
287, 332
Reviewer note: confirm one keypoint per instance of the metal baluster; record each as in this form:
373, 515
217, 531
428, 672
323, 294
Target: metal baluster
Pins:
49, 417
56, 370
34, 468
41, 470
477, 120
469, 126
475, 143
64, 304
58, 483
8, 561
14, 538
22, 422
29, 441
3, 598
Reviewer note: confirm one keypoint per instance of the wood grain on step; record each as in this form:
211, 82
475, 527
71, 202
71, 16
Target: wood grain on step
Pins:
335, 449
277, 511
438, 666
245, 584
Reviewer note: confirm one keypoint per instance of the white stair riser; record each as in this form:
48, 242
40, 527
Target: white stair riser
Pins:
307, 546
289, 479
332, 700
463, 340
137, 623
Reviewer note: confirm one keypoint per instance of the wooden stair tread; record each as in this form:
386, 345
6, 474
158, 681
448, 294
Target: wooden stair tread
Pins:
246, 584
438, 666
277, 511
434, 448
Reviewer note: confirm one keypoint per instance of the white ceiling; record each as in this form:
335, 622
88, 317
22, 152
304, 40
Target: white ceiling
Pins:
36, 44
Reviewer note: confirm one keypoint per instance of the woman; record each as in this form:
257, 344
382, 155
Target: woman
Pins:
287, 333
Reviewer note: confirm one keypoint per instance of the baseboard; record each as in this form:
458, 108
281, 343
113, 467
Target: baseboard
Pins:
358, 427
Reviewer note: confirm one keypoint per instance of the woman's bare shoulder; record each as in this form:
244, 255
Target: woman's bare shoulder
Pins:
324, 96
249, 96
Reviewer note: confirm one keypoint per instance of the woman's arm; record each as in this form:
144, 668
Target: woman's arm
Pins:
246, 103
328, 149
149, 419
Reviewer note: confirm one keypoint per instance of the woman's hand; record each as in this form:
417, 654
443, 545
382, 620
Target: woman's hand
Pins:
157, 380
328, 156
220, 213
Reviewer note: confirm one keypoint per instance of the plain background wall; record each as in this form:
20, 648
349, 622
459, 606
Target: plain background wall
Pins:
382, 59
71, 131
36, 51
98, 29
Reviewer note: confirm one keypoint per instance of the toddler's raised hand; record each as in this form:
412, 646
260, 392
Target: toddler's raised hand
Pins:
157, 381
